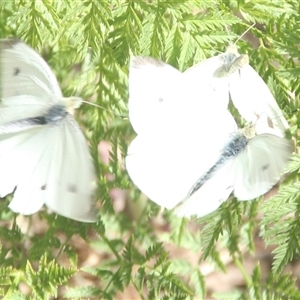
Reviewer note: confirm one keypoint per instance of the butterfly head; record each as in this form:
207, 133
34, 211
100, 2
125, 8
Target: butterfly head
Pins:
72, 103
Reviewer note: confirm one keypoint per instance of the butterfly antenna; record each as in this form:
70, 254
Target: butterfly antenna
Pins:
108, 110
245, 33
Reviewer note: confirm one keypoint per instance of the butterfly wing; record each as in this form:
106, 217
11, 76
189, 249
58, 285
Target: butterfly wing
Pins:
24, 72
151, 85
70, 183
252, 97
203, 74
17, 157
210, 196
259, 167
28, 87
48, 164
165, 165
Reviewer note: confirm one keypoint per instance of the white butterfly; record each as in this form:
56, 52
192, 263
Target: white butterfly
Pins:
229, 73
43, 153
188, 152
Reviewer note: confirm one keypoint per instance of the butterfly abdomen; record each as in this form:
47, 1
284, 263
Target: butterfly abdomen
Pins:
236, 145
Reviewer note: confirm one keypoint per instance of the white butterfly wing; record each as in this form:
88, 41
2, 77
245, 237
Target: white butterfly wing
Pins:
17, 156
71, 181
24, 72
252, 97
259, 167
48, 164
165, 165
210, 196
151, 84
203, 74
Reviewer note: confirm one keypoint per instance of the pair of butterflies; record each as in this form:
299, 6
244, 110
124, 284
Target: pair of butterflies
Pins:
182, 156
189, 153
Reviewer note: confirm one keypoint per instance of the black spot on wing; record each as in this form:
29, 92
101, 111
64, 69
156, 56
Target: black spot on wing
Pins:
265, 167
17, 71
72, 188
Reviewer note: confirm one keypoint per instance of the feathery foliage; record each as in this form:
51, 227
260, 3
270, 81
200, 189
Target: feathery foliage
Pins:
134, 245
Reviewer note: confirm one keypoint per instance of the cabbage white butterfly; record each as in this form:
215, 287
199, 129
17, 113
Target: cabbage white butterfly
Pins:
185, 158
43, 153
230, 74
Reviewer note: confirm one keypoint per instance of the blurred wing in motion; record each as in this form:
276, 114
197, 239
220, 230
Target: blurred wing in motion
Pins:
44, 158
